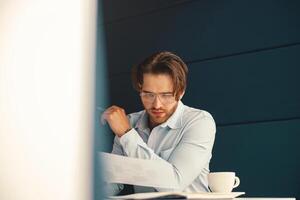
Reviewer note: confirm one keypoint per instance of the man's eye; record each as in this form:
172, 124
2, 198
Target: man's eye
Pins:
167, 95
150, 95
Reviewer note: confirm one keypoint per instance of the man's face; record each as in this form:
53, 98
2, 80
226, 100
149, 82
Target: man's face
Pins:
157, 97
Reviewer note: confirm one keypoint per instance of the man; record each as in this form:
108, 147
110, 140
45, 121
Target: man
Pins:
167, 129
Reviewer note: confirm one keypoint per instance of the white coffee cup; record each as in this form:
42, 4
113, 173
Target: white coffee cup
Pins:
222, 182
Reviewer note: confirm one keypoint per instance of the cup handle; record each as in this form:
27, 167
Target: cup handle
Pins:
237, 182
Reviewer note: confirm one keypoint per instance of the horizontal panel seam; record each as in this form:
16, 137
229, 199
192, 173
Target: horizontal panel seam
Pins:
243, 53
257, 122
224, 56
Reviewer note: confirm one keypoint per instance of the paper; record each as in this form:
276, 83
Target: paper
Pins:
126, 170
179, 195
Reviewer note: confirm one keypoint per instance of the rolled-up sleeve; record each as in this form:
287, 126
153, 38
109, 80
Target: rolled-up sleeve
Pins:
134, 146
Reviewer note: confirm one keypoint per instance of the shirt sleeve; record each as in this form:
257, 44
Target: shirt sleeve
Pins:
188, 158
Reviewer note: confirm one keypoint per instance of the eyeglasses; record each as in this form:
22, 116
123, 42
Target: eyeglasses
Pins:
165, 98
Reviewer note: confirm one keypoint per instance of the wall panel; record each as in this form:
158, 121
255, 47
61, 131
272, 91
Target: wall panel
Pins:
264, 155
243, 58
119, 10
203, 29
250, 87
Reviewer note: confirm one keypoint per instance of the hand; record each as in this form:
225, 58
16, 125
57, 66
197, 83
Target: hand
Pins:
117, 120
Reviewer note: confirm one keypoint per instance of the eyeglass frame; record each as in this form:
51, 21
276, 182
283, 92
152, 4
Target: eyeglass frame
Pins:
159, 95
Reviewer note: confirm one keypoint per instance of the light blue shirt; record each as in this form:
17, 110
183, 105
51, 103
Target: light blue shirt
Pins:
185, 141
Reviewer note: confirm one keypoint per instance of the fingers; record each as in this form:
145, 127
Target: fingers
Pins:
117, 120
102, 119
111, 112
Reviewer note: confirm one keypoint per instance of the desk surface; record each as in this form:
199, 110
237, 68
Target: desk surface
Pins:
266, 198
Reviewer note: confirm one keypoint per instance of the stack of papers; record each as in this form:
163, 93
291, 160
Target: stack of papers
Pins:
179, 195
133, 171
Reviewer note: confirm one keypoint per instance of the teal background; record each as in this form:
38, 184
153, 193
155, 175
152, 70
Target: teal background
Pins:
244, 59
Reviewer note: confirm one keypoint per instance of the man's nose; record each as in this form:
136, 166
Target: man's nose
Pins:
157, 103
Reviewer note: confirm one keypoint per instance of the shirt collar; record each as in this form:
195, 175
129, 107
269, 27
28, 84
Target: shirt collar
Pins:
174, 122
142, 122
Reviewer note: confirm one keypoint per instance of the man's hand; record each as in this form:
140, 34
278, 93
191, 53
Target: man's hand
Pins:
117, 120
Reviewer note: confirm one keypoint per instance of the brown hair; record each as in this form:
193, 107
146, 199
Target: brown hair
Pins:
162, 63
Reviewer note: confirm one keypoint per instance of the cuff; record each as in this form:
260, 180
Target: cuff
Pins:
130, 141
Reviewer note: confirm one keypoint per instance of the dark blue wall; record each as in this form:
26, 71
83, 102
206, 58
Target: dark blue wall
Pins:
244, 62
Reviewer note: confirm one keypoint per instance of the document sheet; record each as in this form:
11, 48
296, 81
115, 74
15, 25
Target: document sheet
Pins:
126, 170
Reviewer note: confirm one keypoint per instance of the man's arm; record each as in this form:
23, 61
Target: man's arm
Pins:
188, 158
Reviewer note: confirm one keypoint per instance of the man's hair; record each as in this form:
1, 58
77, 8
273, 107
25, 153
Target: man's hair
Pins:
162, 63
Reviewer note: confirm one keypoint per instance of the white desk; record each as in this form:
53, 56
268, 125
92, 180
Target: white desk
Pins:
202, 196
265, 198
